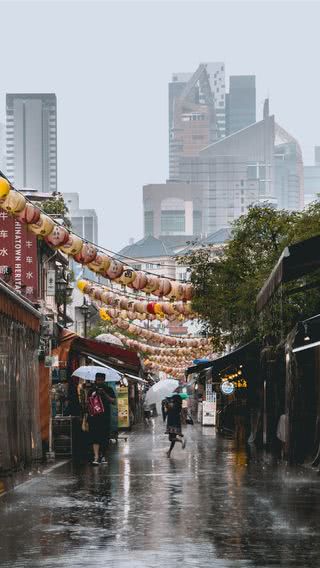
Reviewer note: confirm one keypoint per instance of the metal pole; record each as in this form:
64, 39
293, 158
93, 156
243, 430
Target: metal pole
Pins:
85, 324
50, 453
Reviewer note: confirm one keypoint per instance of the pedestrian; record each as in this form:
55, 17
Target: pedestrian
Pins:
100, 399
171, 410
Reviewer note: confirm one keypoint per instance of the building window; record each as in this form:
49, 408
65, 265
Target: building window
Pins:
148, 223
172, 222
197, 222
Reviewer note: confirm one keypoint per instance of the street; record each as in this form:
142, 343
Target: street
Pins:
209, 505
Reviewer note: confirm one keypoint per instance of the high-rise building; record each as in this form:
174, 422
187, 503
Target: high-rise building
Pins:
84, 221
260, 163
312, 179
192, 118
173, 211
32, 141
240, 103
3, 165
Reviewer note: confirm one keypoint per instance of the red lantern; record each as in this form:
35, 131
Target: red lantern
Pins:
150, 307
30, 214
140, 281
58, 236
87, 254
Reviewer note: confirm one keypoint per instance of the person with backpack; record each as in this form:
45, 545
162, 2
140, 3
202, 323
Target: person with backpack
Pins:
100, 399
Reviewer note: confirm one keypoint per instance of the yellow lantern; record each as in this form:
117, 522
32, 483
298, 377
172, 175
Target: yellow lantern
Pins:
127, 277
43, 227
4, 188
14, 202
73, 245
81, 284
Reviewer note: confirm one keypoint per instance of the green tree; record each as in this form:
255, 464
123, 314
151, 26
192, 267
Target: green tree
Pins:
227, 282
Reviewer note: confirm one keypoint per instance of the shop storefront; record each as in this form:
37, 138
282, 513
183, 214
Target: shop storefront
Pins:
20, 439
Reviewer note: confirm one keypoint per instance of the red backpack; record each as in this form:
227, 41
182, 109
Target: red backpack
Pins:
95, 405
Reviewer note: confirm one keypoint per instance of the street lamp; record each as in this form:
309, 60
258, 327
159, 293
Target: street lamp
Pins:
85, 313
64, 290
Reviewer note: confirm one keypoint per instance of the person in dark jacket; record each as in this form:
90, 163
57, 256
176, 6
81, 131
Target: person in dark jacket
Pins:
171, 410
99, 425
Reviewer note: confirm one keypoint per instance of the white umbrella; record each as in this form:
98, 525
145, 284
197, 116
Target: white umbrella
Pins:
109, 338
89, 373
160, 390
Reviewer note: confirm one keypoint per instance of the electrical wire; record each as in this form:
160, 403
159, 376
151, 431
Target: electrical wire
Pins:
98, 247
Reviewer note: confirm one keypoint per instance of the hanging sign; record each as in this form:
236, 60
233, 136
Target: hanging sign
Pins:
123, 407
227, 387
18, 256
51, 282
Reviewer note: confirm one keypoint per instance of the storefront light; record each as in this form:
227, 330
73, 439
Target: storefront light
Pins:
125, 382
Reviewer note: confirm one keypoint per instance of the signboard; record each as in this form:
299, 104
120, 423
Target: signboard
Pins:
209, 392
123, 407
227, 387
18, 256
51, 283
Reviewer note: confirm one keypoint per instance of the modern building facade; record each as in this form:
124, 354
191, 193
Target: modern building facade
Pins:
84, 221
312, 179
32, 141
240, 103
192, 117
3, 165
173, 211
260, 163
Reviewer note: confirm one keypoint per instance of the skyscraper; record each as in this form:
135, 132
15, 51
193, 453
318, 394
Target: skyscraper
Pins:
312, 179
240, 103
2, 147
32, 141
84, 221
192, 118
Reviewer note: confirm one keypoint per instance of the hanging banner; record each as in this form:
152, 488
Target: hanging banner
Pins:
18, 256
123, 407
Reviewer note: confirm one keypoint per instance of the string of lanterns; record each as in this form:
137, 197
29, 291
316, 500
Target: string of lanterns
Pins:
157, 350
152, 336
59, 237
131, 309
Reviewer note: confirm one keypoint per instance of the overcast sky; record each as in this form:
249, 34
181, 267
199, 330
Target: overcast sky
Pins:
109, 64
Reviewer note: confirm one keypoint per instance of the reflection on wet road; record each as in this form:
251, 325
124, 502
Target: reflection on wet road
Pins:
210, 505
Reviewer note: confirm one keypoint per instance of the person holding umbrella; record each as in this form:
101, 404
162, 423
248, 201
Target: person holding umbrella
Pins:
100, 399
171, 410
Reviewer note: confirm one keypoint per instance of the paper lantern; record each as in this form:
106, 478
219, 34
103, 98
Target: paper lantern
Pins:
131, 328
124, 303
58, 236
152, 284
100, 264
176, 292
43, 227
125, 325
187, 292
87, 254
81, 284
164, 287
73, 245
140, 281
151, 308
96, 293
14, 202
115, 269
4, 189
127, 277
30, 214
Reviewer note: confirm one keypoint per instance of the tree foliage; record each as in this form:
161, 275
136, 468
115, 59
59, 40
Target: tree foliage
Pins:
227, 280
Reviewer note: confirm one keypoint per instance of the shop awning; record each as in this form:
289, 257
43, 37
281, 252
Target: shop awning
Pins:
117, 357
236, 358
296, 261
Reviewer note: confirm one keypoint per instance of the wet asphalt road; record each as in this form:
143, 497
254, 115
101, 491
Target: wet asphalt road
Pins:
211, 505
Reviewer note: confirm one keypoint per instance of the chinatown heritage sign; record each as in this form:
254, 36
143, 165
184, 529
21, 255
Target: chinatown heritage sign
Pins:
18, 256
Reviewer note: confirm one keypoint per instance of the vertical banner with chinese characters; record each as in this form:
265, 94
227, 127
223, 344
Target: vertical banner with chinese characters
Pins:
18, 256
